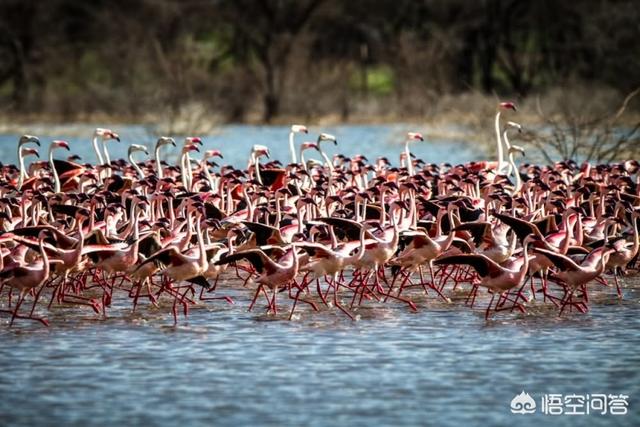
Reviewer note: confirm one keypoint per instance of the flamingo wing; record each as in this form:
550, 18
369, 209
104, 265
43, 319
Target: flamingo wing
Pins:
213, 212
521, 227
260, 261
149, 245
560, 261
483, 265
200, 281
315, 249
348, 227
265, 234
478, 230
66, 167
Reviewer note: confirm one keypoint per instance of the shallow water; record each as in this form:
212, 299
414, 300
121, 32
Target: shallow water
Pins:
235, 142
444, 365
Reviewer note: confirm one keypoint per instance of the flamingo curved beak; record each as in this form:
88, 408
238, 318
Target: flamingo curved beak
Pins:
508, 106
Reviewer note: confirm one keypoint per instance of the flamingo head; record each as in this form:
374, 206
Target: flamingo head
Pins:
299, 129
308, 144
327, 137
24, 139
165, 140
416, 136
214, 153
514, 125
107, 134
190, 147
113, 135
517, 149
260, 150
60, 144
137, 147
508, 106
193, 140
28, 151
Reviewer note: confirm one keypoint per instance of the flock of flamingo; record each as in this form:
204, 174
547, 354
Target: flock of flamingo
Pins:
333, 234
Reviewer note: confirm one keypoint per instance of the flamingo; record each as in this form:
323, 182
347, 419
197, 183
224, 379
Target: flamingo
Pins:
54, 145
162, 141
575, 275
29, 277
493, 276
185, 160
295, 129
324, 137
501, 106
24, 152
411, 136
257, 151
272, 274
25, 139
132, 149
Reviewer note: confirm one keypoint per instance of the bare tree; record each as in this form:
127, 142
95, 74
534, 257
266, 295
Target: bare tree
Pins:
577, 132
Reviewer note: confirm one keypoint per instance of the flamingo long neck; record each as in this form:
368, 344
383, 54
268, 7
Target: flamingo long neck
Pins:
383, 209
525, 266
300, 220
45, 261
413, 208
302, 161
408, 156
207, 174
159, 170
256, 166
452, 234
604, 258
131, 226
189, 172
507, 145
278, 201
97, 150
516, 174
56, 178
183, 172
23, 174
80, 245
135, 166
107, 159
292, 148
326, 158
499, 142
187, 165
203, 252
133, 250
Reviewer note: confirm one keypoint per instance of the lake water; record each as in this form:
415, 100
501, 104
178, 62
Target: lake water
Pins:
235, 142
444, 365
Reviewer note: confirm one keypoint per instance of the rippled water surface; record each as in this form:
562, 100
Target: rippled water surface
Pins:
443, 365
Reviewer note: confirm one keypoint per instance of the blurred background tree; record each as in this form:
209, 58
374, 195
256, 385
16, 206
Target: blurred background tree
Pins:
270, 60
